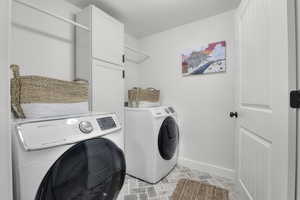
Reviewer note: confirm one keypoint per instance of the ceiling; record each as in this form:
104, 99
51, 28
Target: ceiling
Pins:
146, 17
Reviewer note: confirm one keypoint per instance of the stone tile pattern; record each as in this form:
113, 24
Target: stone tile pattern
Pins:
134, 189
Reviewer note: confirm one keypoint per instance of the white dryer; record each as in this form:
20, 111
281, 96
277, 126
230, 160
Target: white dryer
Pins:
151, 142
78, 157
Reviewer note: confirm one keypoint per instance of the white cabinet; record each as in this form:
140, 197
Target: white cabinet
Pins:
105, 41
107, 37
108, 90
99, 60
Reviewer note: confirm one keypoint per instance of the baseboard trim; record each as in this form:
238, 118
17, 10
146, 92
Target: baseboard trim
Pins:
206, 167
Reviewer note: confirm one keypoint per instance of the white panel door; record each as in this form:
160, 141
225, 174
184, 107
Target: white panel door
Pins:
107, 37
263, 132
108, 89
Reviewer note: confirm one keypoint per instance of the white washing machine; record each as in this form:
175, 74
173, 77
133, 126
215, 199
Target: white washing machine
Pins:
151, 142
79, 157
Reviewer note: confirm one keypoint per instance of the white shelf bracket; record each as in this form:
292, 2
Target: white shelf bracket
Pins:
143, 56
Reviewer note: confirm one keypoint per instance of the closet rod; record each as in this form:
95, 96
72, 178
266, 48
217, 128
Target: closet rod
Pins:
52, 15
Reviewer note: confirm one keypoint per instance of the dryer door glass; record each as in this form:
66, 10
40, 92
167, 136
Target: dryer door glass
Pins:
91, 170
168, 138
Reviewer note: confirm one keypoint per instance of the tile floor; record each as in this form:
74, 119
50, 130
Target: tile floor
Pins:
137, 190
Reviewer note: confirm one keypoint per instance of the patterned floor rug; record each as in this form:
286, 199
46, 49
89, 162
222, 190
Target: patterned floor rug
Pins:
190, 190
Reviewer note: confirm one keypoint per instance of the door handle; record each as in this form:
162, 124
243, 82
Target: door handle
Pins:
295, 99
233, 114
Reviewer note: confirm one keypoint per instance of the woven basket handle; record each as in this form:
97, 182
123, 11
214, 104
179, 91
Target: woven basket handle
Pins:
16, 92
16, 70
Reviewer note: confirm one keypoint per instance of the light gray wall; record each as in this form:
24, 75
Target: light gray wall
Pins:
5, 148
43, 45
203, 102
132, 69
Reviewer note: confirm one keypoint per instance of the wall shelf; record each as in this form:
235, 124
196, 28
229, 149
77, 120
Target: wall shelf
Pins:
135, 56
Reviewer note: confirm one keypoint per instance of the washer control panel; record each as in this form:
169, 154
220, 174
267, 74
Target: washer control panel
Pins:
47, 133
106, 123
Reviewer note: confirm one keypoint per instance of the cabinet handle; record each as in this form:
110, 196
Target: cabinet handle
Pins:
233, 114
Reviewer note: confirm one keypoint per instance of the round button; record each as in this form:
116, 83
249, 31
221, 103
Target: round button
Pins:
86, 127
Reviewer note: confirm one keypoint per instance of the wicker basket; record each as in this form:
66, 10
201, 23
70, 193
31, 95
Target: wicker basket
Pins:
136, 95
38, 89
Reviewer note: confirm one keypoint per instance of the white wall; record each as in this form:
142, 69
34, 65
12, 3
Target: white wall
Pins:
132, 69
43, 45
203, 102
5, 148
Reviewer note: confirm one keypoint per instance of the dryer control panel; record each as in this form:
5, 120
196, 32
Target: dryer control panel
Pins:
163, 111
47, 133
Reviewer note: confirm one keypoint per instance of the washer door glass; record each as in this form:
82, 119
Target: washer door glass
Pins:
90, 170
168, 138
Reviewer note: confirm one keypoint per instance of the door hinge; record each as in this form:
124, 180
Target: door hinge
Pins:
123, 58
295, 99
123, 74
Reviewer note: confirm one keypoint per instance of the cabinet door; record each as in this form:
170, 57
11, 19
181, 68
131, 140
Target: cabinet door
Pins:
107, 37
108, 89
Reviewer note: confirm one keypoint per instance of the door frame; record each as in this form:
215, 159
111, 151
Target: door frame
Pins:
293, 117
293, 77
297, 36
5, 141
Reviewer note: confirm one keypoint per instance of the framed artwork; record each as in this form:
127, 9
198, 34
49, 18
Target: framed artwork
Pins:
204, 60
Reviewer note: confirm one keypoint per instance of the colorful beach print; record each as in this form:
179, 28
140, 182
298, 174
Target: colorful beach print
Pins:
205, 60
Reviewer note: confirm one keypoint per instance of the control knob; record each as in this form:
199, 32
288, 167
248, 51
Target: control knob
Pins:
86, 127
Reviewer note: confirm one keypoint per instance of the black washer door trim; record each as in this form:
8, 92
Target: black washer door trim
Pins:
168, 138
91, 170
